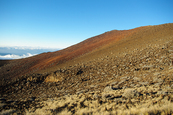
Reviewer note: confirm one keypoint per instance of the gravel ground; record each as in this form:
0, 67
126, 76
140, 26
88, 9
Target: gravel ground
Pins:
136, 83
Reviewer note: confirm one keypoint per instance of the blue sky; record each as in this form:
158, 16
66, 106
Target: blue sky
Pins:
62, 23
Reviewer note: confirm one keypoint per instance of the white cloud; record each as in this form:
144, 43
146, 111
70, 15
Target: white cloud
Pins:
29, 47
13, 56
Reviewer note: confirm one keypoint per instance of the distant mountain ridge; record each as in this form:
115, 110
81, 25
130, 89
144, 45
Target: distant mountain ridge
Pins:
109, 42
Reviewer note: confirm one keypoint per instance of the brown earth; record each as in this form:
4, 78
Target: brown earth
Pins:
118, 72
4, 62
46, 60
98, 45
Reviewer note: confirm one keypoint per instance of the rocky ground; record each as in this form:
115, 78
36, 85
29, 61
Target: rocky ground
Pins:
140, 82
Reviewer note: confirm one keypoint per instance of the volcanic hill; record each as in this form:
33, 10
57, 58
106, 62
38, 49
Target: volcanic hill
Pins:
117, 72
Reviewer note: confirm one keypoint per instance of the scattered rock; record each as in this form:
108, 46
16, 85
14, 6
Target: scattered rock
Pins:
136, 79
53, 77
107, 89
130, 93
147, 67
83, 88
144, 83
162, 92
7, 112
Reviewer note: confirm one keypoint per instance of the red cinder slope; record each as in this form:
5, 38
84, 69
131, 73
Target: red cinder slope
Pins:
20, 67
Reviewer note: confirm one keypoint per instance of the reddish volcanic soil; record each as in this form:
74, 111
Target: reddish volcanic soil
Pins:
117, 72
94, 46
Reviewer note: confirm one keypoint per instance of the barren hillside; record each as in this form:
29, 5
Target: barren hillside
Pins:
19, 67
118, 72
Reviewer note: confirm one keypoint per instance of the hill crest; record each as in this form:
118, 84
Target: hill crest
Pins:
108, 42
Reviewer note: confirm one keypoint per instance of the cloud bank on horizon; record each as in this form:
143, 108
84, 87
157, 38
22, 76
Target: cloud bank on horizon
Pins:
13, 56
22, 52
